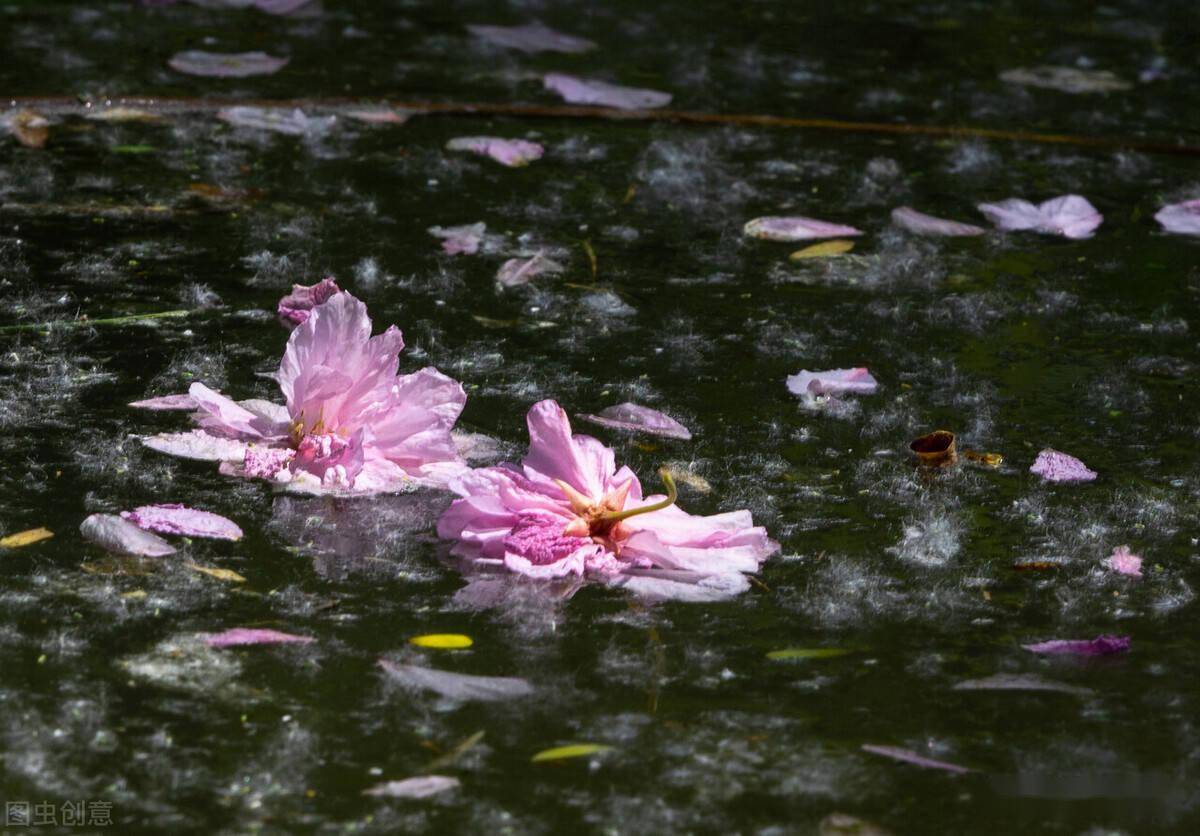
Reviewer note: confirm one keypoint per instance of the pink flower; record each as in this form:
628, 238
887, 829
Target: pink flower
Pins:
568, 510
350, 423
1125, 562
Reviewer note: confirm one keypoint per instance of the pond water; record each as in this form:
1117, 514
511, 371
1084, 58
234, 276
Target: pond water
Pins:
929, 580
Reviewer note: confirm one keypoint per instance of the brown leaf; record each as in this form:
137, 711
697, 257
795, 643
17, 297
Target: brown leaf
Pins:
219, 574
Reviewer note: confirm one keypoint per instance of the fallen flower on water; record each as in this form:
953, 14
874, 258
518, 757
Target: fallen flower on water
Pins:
567, 510
795, 228
350, 423
178, 519
513, 153
1099, 646
857, 381
532, 37
1054, 466
586, 91
635, 418
456, 240
1181, 218
422, 786
225, 65
1125, 562
919, 223
297, 305
519, 271
243, 636
114, 534
909, 756
1070, 216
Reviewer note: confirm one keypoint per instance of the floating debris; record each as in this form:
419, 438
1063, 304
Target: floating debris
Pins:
457, 686
422, 786
531, 38
1066, 79
225, 65
826, 249
908, 756
591, 92
25, 538
1099, 646
1125, 562
936, 449
795, 228
574, 750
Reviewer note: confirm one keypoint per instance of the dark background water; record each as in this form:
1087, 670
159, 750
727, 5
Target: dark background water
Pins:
1016, 342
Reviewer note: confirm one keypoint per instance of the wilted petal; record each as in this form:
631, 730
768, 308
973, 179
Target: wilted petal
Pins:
422, 786
1099, 646
167, 402
857, 381
1071, 216
173, 518
510, 152
197, 444
1054, 466
532, 37
631, 416
795, 228
456, 240
909, 756
1182, 218
225, 65
519, 271
457, 686
1125, 562
223, 416
278, 120
590, 92
242, 636
1066, 79
114, 534
919, 223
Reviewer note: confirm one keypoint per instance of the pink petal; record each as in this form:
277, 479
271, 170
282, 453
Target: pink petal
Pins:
510, 152
532, 37
167, 402
114, 534
554, 453
1125, 562
265, 462
173, 518
1182, 218
421, 786
1071, 216
857, 381
1054, 466
674, 539
795, 228
909, 756
197, 444
460, 240
457, 686
687, 587
225, 65
590, 92
1099, 646
630, 416
242, 636
519, 271
222, 416
919, 223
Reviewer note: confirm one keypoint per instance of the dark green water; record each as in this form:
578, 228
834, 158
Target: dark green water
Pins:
1017, 342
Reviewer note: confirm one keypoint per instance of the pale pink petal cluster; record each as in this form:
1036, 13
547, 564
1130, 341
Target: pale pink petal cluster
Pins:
297, 305
568, 510
349, 424
1125, 562
1070, 216
1054, 466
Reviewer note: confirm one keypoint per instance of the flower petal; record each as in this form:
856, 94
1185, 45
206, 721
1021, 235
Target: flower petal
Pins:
197, 444
167, 402
919, 223
457, 686
173, 518
513, 153
795, 228
422, 786
296, 306
1099, 646
857, 381
114, 534
225, 65
591, 92
631, 416
243, 636
532, 37
1180, 218
1054, 466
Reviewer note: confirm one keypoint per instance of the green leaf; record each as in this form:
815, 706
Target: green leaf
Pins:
575, 750
789, 653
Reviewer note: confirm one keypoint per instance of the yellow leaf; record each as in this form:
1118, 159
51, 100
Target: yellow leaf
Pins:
442, 641
134, 595
219, 574
825, 249
575, 750
25, 538
807, 653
